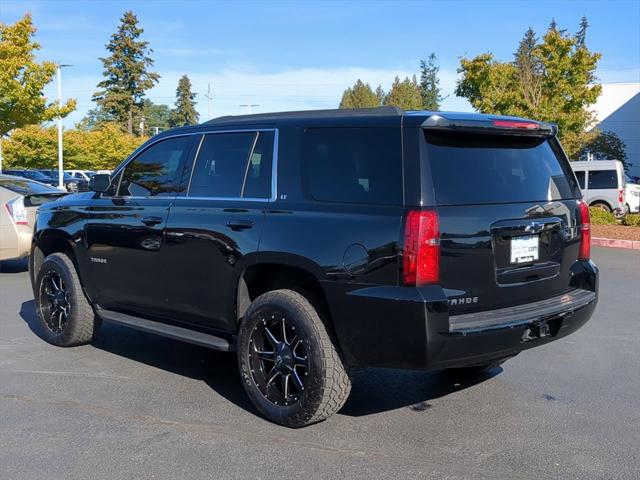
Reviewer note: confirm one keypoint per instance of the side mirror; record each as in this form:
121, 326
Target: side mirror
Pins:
100, 182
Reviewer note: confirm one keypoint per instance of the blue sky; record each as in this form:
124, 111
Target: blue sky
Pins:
289, 55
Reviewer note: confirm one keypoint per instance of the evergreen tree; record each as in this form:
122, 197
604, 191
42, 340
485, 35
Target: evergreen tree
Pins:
359, 96
126, 71
156, 116
429, 83
185, 112
530, 70
380, 95
582, 32
405, 94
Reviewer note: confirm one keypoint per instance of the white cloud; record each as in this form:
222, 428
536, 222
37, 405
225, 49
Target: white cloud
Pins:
287, 89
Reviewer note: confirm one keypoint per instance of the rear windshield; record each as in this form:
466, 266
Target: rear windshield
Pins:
473, 169
23, 186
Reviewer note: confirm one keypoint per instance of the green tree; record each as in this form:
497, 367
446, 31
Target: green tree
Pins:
405, 94
430, 83
22, 79
126, 71
359, 96
551, 80
95, 118
36, 147
605, 146
380, 95
156, 115
185, 112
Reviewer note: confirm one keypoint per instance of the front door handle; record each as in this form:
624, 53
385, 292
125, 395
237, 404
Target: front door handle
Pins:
150, 221
237, 225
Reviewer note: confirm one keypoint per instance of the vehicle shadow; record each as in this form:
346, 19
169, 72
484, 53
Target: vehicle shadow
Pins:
374, 390
14, 266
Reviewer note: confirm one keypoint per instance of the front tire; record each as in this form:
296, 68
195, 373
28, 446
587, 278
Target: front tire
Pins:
65, 315
290, 368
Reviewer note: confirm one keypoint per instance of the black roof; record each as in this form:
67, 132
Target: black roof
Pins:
379, 116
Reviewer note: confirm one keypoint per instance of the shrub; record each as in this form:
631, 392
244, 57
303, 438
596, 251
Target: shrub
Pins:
601, 217
631, 220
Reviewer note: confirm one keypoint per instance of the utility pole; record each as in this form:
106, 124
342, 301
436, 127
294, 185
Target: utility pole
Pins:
60, 163
0, 153
208, 96
249, 106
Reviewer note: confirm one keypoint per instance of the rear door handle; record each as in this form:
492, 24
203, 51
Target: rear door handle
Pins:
150, 221
237, 225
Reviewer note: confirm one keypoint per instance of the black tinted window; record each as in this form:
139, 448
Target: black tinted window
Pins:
600, 179
472, 169
258, 179
221, 165
153, 172
353, 165
580, 176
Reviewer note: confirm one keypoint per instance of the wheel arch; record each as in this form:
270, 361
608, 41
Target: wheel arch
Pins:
47, 242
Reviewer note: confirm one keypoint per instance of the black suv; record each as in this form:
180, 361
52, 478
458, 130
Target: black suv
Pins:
315, 242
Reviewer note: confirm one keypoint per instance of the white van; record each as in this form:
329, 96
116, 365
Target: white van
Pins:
631, 194
602, 184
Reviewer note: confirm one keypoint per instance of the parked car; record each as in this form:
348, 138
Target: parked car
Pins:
19, 198
602, 184
35, 175
71, 183
80, 174
312, 243
631, 194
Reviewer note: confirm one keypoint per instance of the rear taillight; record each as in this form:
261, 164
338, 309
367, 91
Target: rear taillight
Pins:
421, 261
621, 196
585, 231
16, 210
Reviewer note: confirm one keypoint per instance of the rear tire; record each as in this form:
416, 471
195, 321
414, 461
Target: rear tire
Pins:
65, 315
601, 206
290, 368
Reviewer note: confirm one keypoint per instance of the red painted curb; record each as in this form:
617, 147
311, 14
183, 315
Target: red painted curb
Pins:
610, 242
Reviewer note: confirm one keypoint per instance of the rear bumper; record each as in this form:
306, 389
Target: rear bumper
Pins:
402, 327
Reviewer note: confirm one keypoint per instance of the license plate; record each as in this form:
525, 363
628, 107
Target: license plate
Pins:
524, 249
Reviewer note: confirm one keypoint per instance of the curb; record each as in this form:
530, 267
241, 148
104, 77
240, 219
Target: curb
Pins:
612, 243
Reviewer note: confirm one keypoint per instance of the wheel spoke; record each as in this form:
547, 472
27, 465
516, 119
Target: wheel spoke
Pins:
297, 381
300, 361
284, 331
294, 342
54, 284
272, 340
272, 375
285, 387
266, 355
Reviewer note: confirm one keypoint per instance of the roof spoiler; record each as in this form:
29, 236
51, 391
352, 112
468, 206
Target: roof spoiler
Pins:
492, 126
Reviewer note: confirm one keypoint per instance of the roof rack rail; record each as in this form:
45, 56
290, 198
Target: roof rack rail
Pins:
336, 112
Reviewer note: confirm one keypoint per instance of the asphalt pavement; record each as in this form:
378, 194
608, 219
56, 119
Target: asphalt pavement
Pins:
133, 405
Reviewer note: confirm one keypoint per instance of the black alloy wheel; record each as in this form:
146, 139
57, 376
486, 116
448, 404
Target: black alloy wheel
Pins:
278, 359
54, 302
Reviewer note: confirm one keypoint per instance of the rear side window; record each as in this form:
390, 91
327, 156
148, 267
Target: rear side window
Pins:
353, 165
580, 176
603, 179
234, 165
476, 169
153, 172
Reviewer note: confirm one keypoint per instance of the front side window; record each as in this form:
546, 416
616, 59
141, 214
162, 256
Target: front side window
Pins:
153, 172
603, 179
353, 165
234, 165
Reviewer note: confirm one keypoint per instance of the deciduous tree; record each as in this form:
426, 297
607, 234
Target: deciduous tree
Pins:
605, 146
551, 80
22, 79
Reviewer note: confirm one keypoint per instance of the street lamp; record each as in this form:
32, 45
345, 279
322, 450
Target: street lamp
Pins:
60, 166
249, 105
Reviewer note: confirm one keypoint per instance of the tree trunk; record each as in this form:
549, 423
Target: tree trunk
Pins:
130, 122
